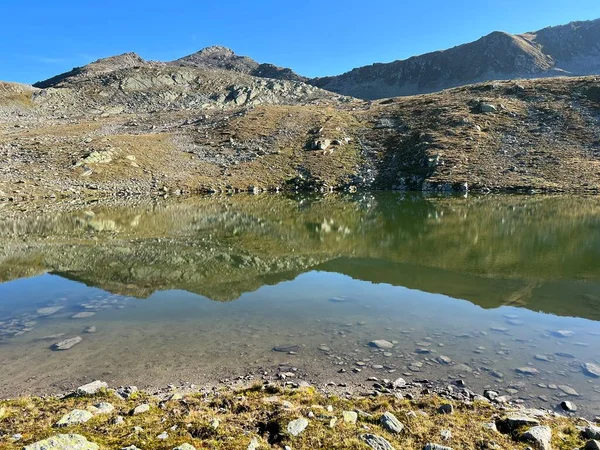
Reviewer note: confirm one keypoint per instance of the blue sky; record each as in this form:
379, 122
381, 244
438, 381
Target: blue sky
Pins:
40, 38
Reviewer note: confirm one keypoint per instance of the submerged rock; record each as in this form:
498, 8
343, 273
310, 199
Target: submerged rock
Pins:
381, 343
67, 343
591, 370
63, 442
49, 310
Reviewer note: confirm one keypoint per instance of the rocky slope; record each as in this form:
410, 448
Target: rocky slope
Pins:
572, 49
154, 129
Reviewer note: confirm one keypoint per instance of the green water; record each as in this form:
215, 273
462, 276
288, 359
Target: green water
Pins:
201, 289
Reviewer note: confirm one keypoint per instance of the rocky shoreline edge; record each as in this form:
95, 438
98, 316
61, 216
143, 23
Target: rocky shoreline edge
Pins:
287, 414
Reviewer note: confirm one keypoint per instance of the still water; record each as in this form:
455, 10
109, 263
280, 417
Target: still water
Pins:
500, 291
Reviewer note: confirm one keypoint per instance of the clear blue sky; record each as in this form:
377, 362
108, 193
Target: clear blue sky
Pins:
40, 38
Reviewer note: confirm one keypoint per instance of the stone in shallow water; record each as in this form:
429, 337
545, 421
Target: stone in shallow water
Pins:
563, 333
591, 370
539, 436
49, 310
75, 417
391, 423
568, 390
381, 343
83, 315
63, 442
568, 406
67, 343
296, 427
527, 370
91, 329
376, 442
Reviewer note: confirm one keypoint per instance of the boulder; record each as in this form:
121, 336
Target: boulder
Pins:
91, 388
540, 437
296, 427
591, 370
391, 423
63, 442
75, 417
377, 442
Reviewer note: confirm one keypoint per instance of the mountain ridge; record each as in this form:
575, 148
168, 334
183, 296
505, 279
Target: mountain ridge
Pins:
562, 50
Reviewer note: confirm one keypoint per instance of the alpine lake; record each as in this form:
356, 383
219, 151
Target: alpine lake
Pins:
499, 291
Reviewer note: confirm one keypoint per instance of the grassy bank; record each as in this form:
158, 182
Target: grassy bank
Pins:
260, 417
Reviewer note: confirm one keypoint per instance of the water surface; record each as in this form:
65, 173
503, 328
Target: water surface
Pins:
202, 289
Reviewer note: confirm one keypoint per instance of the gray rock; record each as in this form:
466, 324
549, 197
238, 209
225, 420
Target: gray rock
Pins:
391, 423
91, 388
592, 445
487, 108
162, 436
381, 343
118, 420
67, 343
126, 392
75, 417
591, 370
377, 442
63, 442
131, 447
527, 370
446, 408
592, 432
568, 390
49, 310
510, 423
431, 446
103, 408
91, 329
254, 444
446, 435
296, 427
83, 315
399, 382
350, 417
539, 436
185, 447
443, 359
568, 406
140, 409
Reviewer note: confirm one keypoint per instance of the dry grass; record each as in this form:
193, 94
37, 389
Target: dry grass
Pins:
263, 414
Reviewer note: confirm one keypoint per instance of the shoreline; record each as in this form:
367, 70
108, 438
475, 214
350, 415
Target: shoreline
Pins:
253, 414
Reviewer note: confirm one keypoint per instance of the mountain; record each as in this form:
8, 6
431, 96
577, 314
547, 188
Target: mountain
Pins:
572, 49
218, 57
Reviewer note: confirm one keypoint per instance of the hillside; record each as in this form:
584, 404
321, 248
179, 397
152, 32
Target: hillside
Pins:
153, 129
572, 49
